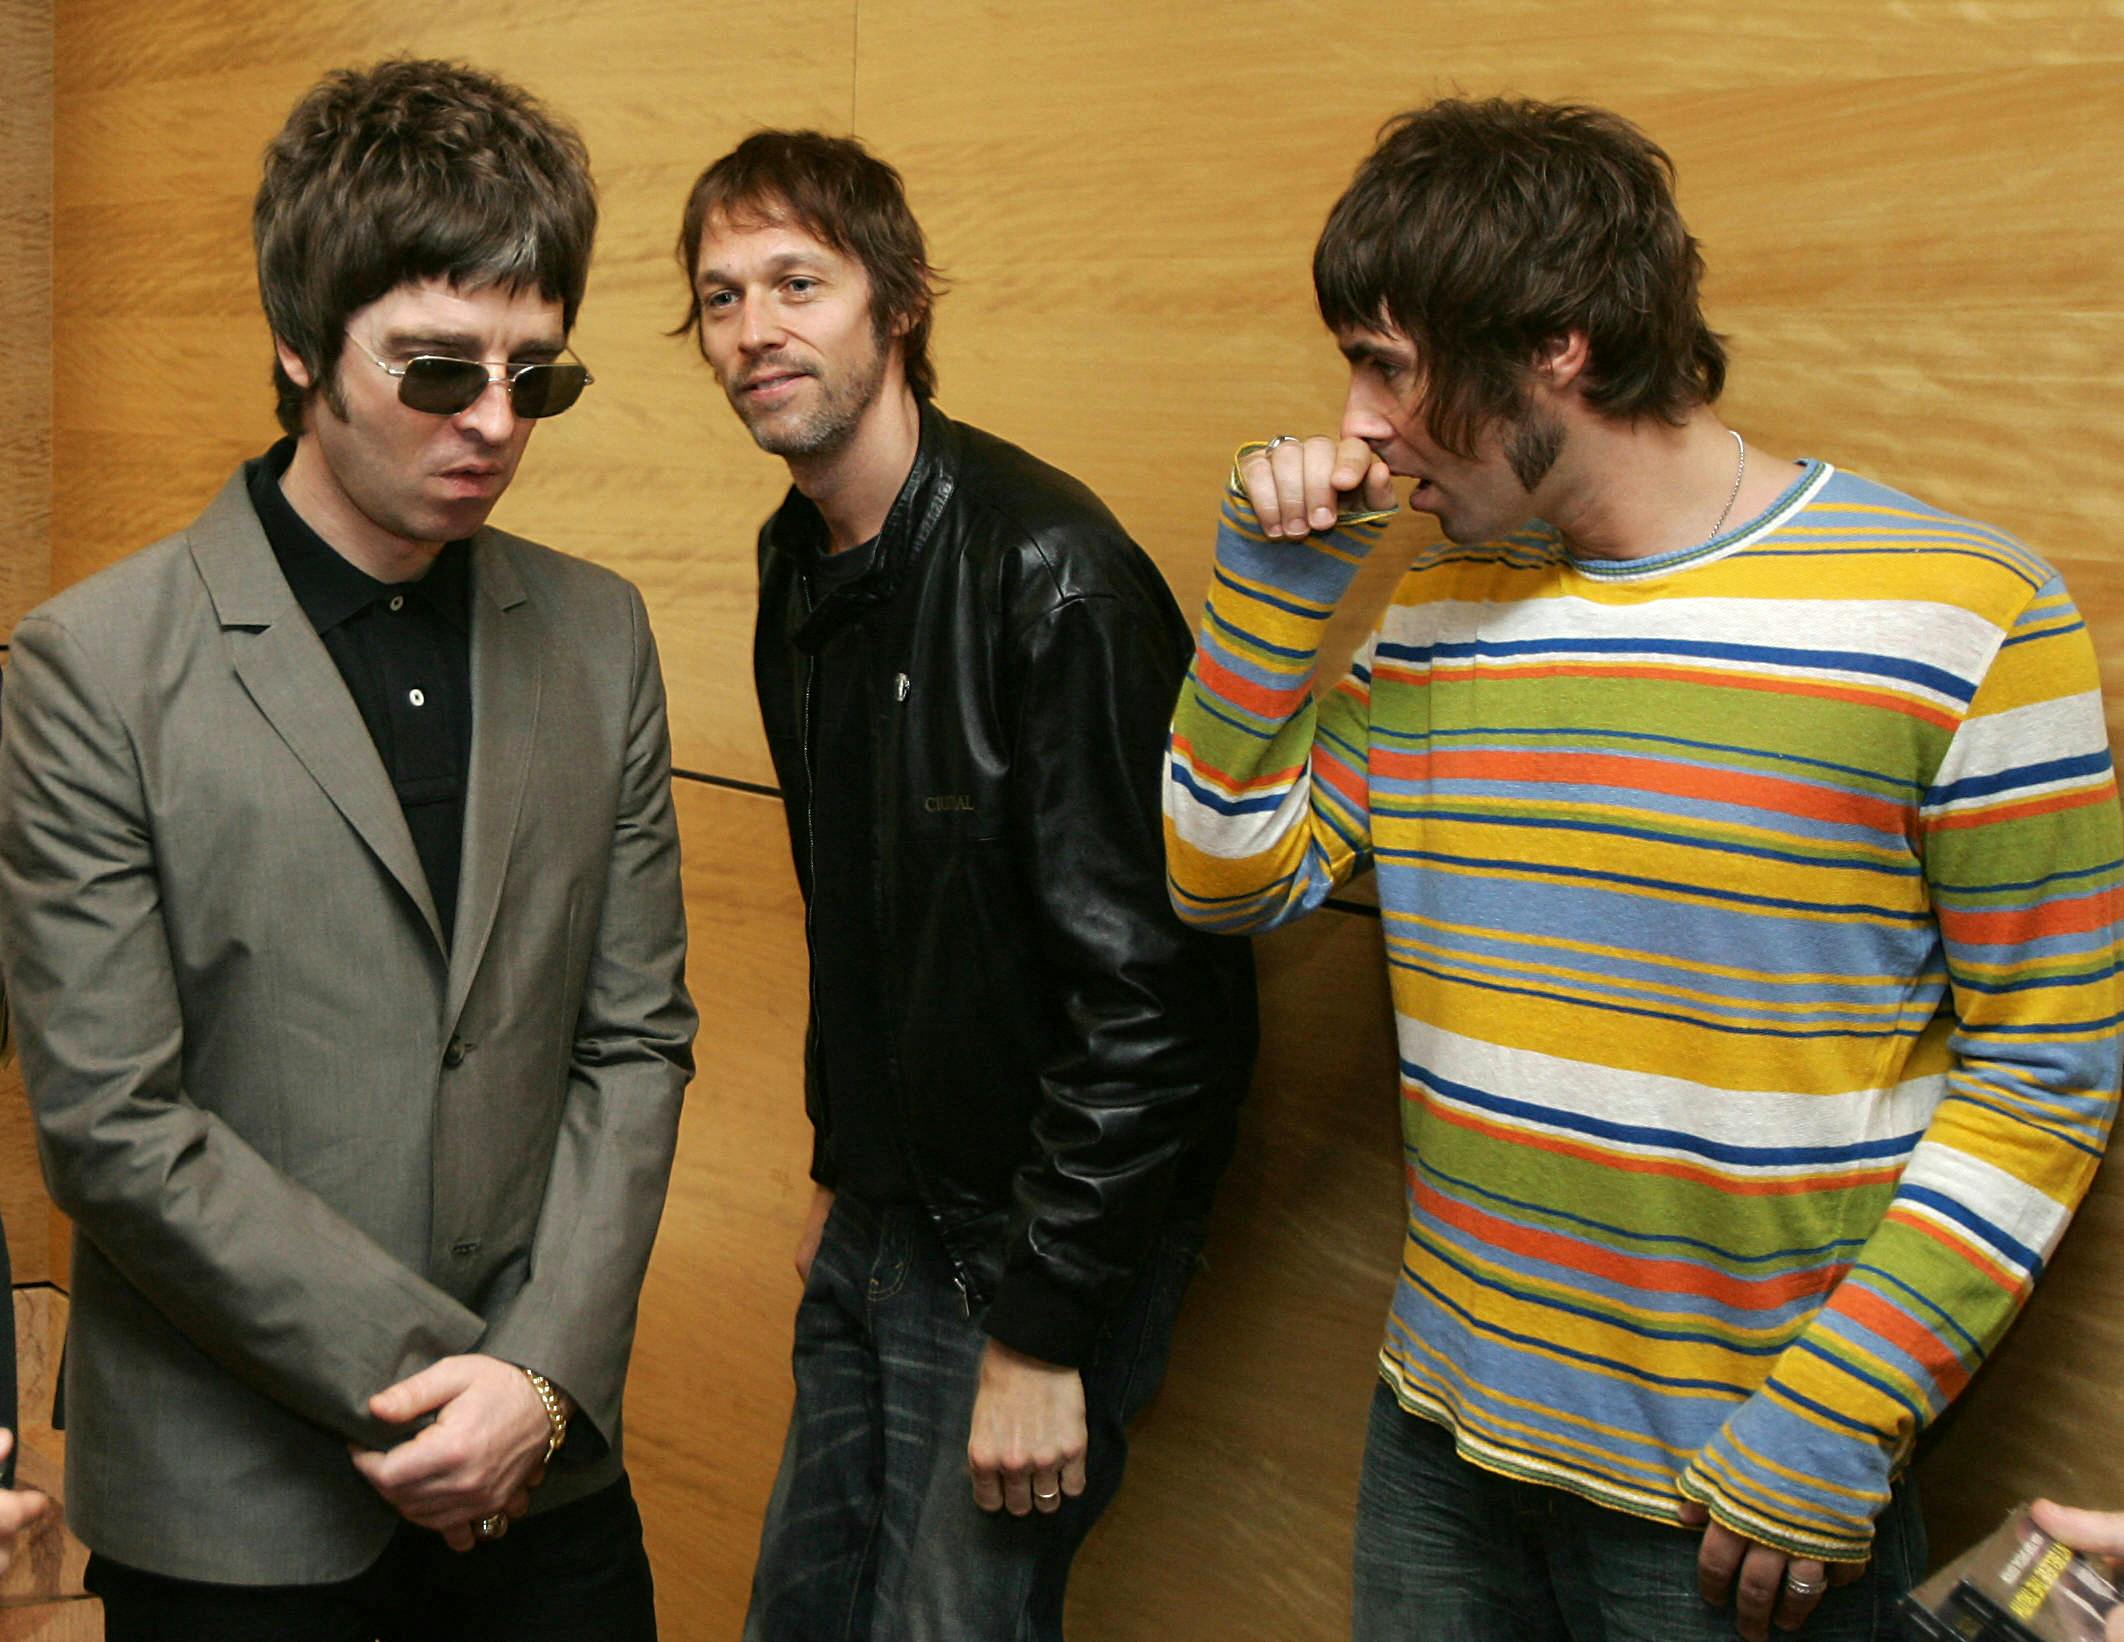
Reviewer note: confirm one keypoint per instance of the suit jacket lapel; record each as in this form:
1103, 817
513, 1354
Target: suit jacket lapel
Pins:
284, 666
508, 664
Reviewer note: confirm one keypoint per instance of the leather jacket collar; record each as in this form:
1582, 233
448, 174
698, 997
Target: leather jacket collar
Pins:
924, 495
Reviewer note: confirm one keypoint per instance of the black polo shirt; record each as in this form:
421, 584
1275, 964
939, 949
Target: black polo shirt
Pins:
405, 652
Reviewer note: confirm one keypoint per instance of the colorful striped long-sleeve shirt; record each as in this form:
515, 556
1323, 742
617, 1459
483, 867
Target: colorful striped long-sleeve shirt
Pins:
1752, 921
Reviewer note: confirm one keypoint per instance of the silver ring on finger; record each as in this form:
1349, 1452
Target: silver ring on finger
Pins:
1047, 1499
1805, 1587
1283, 439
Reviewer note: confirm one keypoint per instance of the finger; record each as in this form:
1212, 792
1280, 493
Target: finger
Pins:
1757, 1589
1353, 460
459, 1536
1718, 1559
420, 1393
518, 1505
410, 1469
1017, 1492
1843, 1573
1258, 479
1288, 464
1378, 486
1804, 1582
1047, 1492
1321, 500
1073, 1475
2101, 1532
987, 1487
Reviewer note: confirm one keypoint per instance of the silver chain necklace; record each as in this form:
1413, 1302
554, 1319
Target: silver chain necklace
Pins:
1740, 470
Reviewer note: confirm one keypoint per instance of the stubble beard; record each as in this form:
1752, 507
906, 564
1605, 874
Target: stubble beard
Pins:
827, 428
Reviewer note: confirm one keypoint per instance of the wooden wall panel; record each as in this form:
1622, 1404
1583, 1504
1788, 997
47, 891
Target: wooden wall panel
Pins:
26, 300
25, 477
709, 1392
164, 357
1914, 238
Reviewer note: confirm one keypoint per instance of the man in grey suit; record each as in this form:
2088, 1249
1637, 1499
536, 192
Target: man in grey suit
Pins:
340, 910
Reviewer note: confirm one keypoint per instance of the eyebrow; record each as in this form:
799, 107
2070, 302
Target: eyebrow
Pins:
1371, 353
780, 263
464, 345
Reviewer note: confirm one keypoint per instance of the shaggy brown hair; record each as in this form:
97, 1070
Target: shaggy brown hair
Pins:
842, 195
413, 170
1482, 231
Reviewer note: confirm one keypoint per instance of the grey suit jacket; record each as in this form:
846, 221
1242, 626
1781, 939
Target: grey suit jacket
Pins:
308, 1152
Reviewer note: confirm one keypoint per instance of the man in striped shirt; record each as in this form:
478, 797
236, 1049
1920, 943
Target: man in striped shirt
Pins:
1748, 855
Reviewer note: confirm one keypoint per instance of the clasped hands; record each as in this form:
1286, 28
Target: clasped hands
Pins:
479, 1457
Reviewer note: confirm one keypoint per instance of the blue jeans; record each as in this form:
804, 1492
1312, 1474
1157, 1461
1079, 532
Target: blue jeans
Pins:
1447, 1550
872, 1534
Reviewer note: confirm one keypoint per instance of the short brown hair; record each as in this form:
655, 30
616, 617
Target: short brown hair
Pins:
413, 169
1483, 230
841, 194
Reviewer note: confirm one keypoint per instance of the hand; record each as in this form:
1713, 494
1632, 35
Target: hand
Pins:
1302, 485
1758, 1579
2099, 1533
1026, 1448
814, 1227
481, 1456
19, 1507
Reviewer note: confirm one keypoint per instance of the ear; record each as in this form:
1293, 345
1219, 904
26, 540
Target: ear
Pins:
1561, 360
291, 362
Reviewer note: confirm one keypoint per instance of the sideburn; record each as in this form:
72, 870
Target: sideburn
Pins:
1532, 444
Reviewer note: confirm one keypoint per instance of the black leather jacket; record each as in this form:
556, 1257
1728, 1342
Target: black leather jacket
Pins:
1065, 1058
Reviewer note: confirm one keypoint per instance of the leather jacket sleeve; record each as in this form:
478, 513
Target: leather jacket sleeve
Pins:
1161, 1017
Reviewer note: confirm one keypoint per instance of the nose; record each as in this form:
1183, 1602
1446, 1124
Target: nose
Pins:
1362, 414
759, 327
492, 416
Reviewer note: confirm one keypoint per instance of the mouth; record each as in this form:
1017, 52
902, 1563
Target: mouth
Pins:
474, 478
769, 387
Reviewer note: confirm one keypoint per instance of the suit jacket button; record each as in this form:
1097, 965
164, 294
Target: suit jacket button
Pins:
454, 1054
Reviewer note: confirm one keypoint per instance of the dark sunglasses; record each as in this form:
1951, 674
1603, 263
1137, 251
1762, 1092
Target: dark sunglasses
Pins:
443, 387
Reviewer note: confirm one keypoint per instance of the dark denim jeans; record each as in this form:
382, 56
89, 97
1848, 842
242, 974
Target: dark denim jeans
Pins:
1449, 1552
872, 1534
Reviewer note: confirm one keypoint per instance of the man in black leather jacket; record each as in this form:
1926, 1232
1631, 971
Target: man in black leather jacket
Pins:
1022, 1072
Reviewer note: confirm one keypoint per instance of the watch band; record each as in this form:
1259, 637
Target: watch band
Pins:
556, 1416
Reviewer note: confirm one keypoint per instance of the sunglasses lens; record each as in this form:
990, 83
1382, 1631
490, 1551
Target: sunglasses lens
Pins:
441, 387
547, 390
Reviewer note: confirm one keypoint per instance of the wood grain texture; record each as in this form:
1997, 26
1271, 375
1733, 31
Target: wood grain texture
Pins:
1235, 1518
164, 359
709, 1392
48, 1561
24, 1209
1916, 247
26, 300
